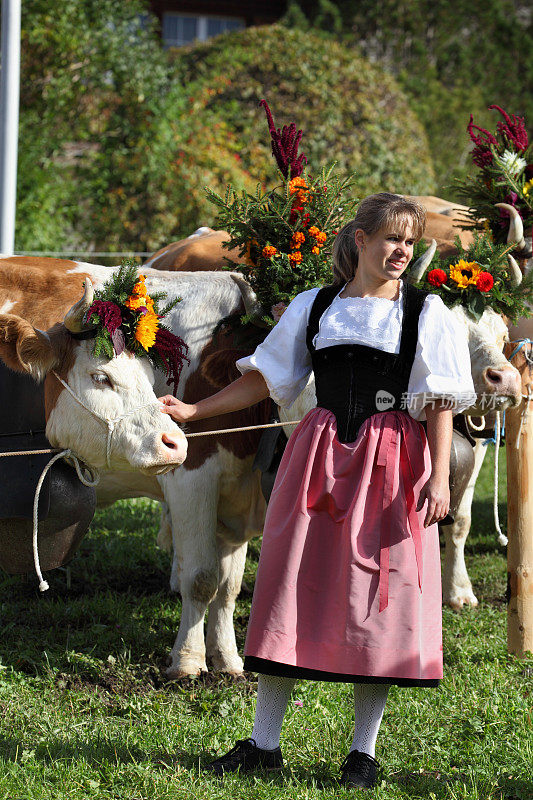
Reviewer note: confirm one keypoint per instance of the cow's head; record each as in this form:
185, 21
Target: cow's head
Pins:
110, 418
496, 382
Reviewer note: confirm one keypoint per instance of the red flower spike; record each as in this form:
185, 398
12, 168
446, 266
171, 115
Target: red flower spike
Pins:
513, 129
481, 154
173, 352
285, 144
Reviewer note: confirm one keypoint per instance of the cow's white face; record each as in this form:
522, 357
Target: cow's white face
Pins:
121, 390
496, 382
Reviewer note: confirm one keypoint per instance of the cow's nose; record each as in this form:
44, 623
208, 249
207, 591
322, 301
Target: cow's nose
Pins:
175, 445
505, 381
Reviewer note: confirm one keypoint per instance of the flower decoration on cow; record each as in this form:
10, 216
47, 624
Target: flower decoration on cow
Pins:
286, 233
123, 316
483, 275
500, 195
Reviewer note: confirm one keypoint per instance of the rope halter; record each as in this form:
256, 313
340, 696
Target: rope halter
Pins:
110, 424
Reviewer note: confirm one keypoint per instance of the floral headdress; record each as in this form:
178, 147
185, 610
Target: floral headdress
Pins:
125, 317
286, 234
479, 277
505, 163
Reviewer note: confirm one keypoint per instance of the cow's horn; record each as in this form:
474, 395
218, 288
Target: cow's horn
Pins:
515, 234
515, 271
252, 306
73, 320
422, 263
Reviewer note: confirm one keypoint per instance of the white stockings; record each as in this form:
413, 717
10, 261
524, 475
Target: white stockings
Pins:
273, 693
369, 702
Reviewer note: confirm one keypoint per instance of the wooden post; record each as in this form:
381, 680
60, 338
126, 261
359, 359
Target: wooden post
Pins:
519, 448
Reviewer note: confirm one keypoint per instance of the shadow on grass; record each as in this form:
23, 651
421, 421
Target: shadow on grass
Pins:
439, 785
56, 749
289, 774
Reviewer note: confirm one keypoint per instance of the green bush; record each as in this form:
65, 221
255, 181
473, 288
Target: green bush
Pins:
349, 110
119, 138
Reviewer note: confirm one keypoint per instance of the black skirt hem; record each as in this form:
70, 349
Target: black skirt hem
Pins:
266, 667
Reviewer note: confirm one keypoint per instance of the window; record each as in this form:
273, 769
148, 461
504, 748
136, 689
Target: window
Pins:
180, 29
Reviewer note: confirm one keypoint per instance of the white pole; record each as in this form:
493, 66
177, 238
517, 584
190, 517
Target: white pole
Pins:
9, 121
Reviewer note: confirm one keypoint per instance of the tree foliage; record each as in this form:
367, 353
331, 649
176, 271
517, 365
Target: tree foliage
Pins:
118, 140
92, 79
452, 57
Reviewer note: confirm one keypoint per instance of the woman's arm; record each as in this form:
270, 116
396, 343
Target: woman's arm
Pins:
437, 489
245, 391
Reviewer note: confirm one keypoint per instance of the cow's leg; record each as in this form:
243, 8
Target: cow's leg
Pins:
192, 501
220, 643
164, 541
456, 586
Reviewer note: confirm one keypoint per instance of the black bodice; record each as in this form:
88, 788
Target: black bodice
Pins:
355, 381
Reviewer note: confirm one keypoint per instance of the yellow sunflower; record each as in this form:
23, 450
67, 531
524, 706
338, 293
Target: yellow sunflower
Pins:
465, 273
146, 329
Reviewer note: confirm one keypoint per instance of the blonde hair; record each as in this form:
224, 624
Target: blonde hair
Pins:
377, 211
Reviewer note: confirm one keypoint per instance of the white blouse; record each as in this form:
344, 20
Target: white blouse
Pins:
441, 367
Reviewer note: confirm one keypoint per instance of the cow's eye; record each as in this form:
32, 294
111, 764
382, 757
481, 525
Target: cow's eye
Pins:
101, 379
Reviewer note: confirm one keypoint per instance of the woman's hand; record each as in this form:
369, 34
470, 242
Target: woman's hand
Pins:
437, 493
180, 412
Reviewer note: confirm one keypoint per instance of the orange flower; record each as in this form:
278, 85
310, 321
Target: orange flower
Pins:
321, 237
139, 287
315, 250
269, 251
137, 301
299, 187
313, 230
146, 329
297, 183
298, 239
296, 257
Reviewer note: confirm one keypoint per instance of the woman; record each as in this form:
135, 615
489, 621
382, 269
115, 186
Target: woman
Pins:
348, 584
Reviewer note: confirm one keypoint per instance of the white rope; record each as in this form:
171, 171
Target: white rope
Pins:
91, 481
245, 428
502, 538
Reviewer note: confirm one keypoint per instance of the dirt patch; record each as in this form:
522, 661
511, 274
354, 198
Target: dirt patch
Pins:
112, 682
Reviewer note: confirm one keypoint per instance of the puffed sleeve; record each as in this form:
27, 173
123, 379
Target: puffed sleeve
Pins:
441, 368
283, 358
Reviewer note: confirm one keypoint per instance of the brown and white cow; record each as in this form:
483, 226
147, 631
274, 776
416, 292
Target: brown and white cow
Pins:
214, 498
203, 250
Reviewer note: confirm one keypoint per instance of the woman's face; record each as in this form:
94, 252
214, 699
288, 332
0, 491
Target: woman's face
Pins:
385, 254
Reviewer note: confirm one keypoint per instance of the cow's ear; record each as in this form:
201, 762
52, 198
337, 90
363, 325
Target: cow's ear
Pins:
24, 348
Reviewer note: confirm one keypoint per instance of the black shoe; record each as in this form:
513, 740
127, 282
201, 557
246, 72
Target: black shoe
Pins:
359, 770
246, 756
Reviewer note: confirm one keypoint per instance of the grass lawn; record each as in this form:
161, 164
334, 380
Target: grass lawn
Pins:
85, 711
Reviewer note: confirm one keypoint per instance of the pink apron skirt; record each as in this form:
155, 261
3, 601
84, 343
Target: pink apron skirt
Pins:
349, 579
